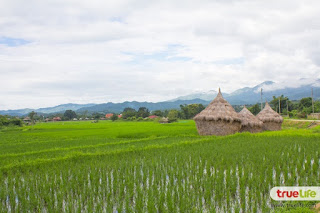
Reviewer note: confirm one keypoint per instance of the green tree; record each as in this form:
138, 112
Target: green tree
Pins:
305, 107
158, 113
255, 109
190, 110
129, 113
32, 116
114, 117
16, 122
143, 112
184, 111
194, 109
317, 106
283, 103
69, 114
3, 121
165, 113
237, 108
173, 115
305, 103
97, 115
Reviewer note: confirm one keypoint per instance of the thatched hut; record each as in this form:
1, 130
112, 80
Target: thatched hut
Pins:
249, 122
271, 120
218, 118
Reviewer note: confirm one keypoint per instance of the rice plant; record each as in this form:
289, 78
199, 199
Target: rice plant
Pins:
167, 170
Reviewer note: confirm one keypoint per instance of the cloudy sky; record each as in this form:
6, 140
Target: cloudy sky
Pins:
89, 51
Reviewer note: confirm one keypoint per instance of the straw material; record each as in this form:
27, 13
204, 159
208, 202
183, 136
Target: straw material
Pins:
271, 126
249, 122
271, 120
254, 129
164, 120
218, 118
269, 115
218, 109
248, 119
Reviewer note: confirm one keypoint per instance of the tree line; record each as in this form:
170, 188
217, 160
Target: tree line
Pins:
185, 112
298, 109
129, 114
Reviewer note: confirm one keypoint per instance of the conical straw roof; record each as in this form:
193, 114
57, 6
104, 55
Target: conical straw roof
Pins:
218, 109
269, 115
248, 119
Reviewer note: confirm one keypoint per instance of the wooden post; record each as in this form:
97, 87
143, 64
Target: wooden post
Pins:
312, 100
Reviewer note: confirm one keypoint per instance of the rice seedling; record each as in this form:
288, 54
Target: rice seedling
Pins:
153, 168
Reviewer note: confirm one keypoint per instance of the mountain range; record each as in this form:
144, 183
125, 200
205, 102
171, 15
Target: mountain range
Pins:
48, 110
246, 95
251, 95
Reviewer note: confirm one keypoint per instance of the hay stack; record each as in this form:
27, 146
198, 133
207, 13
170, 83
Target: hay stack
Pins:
271, 120
249, 122
218, 118
164, 120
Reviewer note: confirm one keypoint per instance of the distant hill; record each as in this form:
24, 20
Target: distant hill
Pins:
16, 112
48, 110
105, 108
119, 107
251, 95
207, 96
63, 107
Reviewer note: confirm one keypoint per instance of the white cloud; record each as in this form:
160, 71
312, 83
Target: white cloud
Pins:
93, 51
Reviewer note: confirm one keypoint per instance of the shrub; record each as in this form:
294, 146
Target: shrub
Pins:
173, 115
302, 115
16, 122
133, 118
148, 119
293, 113
4, 121
114, 117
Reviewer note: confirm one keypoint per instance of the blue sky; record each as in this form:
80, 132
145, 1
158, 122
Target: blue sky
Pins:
65, 51
12, 42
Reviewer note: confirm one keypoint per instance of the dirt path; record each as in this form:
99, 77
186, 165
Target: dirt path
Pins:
302, 120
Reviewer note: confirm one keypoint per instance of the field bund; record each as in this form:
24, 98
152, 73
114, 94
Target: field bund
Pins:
151, 167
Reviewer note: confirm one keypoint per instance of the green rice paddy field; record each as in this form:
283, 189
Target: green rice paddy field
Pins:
152, 167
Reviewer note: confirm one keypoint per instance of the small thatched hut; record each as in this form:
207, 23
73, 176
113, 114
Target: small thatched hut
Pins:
271, 120
218, 118
249, 122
